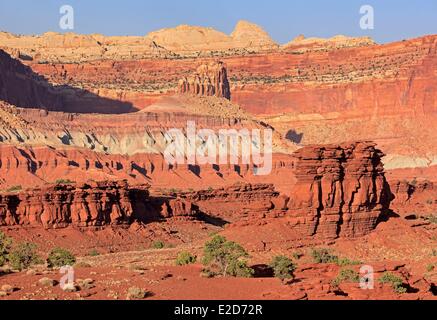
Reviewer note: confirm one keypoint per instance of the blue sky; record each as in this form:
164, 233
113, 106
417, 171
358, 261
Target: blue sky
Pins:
283, 19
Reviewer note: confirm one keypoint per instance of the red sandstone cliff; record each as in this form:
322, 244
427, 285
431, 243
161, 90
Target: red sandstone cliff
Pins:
384, 93
340, 190
22, 87
337, 191
92, 204
414, 199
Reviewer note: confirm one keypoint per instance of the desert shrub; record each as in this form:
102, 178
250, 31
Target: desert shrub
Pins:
185, 258
82, 264
432, 219
430, 267
5, 246
396, 282
226, 258
23, 256
158, 245
347, 262
323, 256
64, 181
14, 189
135, 293
207, 273
283, 267
94, 253
297, 255
346, 275
60, 257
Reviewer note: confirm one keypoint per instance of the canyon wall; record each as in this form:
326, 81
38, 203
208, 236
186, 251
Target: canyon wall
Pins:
348, 87
22, 87
380, 79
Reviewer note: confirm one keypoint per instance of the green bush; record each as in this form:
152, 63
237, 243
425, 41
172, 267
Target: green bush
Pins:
64, 181
347, 262
60, 257
5, 246
158, 245
283, 267
396, 282
94, 253
432, 219
323, 256
226, 258
14, 189
185, 258
297, 255
346, 275
23, 256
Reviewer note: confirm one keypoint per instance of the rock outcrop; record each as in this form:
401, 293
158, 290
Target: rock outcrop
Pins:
338, 191
236, 202
191, 41
414, 198
252, 37
182, 41
52, 47
341, 191
209, 80
92, 204
301, 44
22, 87
180, 209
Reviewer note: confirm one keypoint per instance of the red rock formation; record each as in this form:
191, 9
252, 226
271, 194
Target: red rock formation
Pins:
338, 191
236, 202
22, 87
180, 209
210, 80
91, 204
341, 191
415, 199
348, 91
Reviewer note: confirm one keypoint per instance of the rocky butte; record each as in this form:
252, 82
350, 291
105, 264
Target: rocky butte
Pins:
210, 80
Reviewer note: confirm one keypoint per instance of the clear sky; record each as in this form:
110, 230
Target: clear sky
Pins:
282, 19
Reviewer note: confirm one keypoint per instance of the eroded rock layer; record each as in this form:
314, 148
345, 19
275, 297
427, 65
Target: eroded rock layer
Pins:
340, 190
22, 87
414, 199
92, 204
210, 80
335, 191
